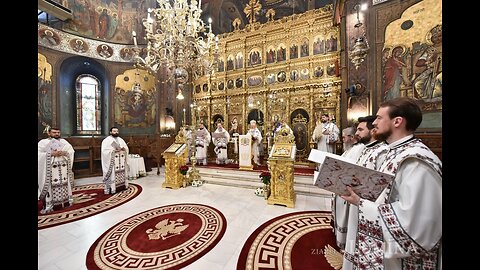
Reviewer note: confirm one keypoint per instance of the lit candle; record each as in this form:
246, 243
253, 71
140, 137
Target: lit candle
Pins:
134, 38
184, 116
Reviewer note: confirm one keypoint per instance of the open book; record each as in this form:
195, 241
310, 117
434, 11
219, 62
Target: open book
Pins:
336, 173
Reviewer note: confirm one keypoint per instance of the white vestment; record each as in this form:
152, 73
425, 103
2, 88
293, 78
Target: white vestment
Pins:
402, 229
256, 144
340, 207
55, 175
326, 142
221, 145
370, 157
114, 164
203, 139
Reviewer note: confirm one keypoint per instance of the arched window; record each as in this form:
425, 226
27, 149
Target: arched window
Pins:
88, 104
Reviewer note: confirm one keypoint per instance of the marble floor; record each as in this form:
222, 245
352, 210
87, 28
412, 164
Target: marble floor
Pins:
66, 246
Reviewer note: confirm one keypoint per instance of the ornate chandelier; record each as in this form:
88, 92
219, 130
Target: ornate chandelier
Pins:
177, 39
360, 47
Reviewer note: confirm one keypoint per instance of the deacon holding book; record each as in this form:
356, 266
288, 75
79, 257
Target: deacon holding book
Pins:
345, 214
55, 176
202, 140
114, 162
220, 140
402, 228
256, 141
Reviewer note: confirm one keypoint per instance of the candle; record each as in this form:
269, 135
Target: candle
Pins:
134, 38
200, 4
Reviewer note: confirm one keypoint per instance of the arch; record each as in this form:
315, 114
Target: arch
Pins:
69, 71
257, 115
216, 118
299, 119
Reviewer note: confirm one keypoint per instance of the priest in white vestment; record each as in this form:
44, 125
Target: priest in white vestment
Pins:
55, 175
402, 228
220, 140
256, 141
114, 162
326, 134
202, 140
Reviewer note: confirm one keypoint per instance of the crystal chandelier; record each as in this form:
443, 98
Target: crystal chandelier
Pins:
177, 39
360, 47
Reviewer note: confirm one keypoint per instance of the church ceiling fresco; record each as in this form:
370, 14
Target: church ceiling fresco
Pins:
114, 20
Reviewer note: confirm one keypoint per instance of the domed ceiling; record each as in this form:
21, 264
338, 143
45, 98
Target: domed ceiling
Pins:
114, 20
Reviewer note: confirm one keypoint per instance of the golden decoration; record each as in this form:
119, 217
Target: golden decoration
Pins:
333, 257
251, 10
173, 161
270, 14
44, 68
236, 24
281, 169
166, 229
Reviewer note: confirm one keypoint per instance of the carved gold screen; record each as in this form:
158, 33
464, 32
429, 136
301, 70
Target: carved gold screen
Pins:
275, 68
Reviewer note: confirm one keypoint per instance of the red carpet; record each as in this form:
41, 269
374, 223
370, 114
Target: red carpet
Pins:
88, 200
168, 237
300, 240
297, 170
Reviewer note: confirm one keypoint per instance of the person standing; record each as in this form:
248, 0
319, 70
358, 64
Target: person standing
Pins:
256, 141
351, 146
220, 140
55, 175
402, 228
326, 134
372, 153
346, 214
340, 208
114, 162
202, 140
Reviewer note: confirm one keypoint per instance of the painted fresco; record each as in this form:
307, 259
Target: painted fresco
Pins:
45, 115
109, 20
134, 99
412, 65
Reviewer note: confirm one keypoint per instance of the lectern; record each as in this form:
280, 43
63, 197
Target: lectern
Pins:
280, 164
175, 156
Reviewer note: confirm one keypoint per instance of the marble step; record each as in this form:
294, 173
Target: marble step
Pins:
251, 180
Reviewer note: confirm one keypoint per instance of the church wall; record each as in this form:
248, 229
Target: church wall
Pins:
398, 32
61, 61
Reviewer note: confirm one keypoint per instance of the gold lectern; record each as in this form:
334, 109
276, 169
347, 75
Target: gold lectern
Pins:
280, 164
175, 156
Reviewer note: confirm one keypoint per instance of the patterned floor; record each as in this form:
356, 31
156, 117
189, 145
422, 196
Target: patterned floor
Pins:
300, 240
168, 237
88, 200
65, 247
